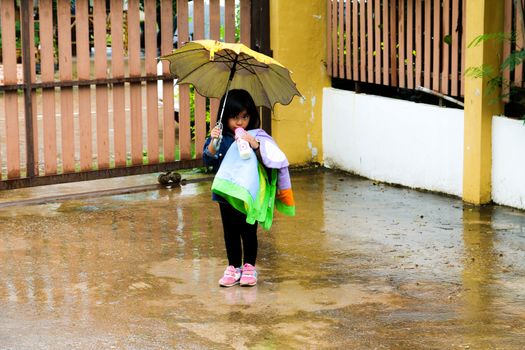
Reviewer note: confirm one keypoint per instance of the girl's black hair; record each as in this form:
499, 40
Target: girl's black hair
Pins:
238, 101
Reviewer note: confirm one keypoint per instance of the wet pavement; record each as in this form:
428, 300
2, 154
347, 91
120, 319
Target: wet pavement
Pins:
362, 266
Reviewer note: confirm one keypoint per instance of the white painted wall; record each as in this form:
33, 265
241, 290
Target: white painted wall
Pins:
394, 141
416, 145
508, 165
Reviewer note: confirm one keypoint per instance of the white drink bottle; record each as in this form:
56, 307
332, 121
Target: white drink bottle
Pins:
244, 147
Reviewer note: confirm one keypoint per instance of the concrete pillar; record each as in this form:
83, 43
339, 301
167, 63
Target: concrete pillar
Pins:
483, 17
298, 41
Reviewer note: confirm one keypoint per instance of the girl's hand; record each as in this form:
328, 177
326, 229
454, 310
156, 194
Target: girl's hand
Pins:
215, 132
251, 140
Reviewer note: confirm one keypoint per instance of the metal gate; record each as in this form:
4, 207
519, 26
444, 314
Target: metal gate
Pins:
82, 95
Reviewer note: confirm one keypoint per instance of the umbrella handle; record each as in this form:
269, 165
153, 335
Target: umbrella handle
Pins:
216, 141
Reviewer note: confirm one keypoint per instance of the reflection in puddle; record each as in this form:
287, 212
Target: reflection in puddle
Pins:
478, 276
361, 266
77, 251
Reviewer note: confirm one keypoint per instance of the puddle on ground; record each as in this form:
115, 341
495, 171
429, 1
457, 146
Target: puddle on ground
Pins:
361, 266
284, 298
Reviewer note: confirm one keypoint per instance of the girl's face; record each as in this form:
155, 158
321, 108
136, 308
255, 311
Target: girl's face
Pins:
241, 120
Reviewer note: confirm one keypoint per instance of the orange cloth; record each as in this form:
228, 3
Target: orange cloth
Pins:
286, 196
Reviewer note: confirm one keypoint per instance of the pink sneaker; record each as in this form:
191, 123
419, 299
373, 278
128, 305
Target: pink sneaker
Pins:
249, 276
231, 277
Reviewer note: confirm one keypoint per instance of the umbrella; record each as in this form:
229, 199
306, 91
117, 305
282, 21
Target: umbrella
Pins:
215, 67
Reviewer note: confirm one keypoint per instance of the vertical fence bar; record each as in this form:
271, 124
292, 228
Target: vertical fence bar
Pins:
377, 31
152, 113
329, 37
401, 39
118, 71
66, 93
393, 42
522, 44
168, 109
31, 120
355, 40
229, 21
386, 46
28, 64
215, 23
454, 64
341, 32
135, 93
7, 14
507, 49
463, 45
410, 43
518, 71
246, 22
362, 40
521, 66
84, 92
370, 41
47, 68
419, 42
437, 45
445, 61
200, 101
184, 92
335, 66
348, 36
101, 92
427, 32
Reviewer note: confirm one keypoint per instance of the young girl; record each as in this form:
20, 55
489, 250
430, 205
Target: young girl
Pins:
239, 236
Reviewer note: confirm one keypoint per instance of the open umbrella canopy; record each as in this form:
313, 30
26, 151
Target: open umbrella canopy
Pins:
214, 67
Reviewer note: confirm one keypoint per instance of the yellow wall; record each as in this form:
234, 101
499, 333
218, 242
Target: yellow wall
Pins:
483, 16
298, 41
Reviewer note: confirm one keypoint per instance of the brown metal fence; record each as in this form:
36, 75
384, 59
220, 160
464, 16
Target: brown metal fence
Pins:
405, 43
80, 86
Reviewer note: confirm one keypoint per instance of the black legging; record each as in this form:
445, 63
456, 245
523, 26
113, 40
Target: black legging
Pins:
235, 229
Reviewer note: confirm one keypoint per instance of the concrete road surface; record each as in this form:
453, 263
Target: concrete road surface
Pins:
362, 266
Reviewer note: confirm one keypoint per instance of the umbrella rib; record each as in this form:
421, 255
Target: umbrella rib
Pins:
227, 58
227, 54
257, 64
245, 64
223, 60
261, 64
249, 67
